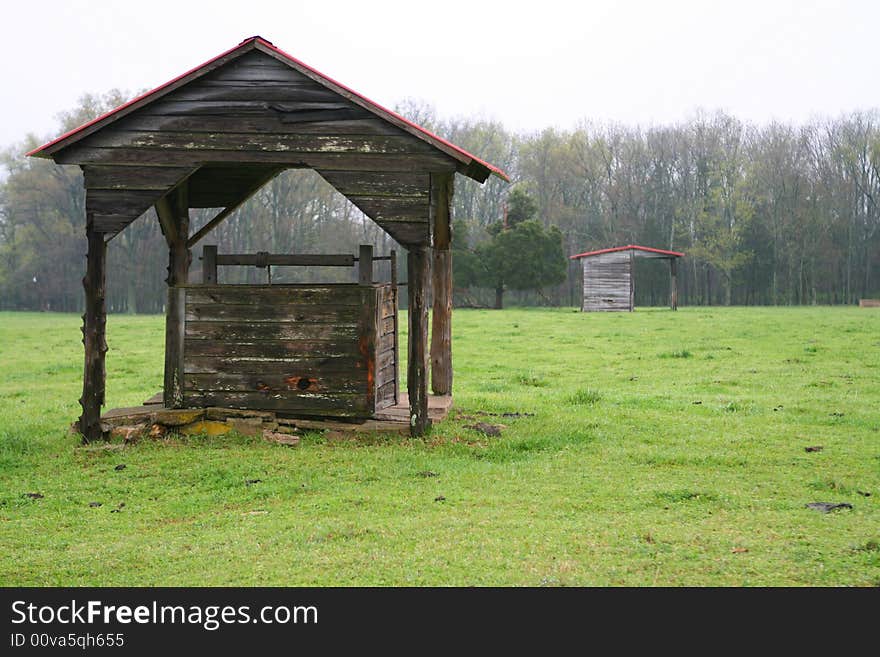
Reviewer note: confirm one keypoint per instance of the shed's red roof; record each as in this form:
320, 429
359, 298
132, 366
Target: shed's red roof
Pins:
630, 247
77, 133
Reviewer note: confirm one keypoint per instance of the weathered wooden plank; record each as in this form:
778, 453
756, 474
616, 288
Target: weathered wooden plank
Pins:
293, 259
392, 208
271, 313
265, 142
407, 233
169, 107
113, 223
367, 339
272, 350
386, 325
271, 91
339, 405
386, 375
258, 73
355, 183
362, 161
292, 384
134, 178
245, 331
333, 295
121, 201
336, 122
385, 396
298, 364
385, 358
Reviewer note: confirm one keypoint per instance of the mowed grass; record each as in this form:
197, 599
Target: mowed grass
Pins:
659, 448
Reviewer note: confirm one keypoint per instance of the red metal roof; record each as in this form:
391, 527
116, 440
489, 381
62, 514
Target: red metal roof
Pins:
437, 141
629, 247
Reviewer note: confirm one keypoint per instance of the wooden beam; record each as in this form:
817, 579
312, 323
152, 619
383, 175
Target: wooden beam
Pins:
441, 285
223, 214
209, 264
177, 221
673, 283
287, 259
417, 365
394, 293
632, 287
365, 264
94, 336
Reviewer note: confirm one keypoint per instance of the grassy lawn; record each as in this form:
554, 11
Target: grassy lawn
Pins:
661, 449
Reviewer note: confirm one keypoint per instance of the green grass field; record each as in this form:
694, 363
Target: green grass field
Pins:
664, 449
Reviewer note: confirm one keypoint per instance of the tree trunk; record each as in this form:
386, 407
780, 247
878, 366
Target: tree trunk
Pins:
499, 297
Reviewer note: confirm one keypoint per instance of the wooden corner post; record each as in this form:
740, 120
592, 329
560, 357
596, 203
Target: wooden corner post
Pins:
417, 361
94, 336
632, 284
441, 284
673, 283
173, 212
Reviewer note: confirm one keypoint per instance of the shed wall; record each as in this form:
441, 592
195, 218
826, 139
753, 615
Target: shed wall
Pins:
607, 282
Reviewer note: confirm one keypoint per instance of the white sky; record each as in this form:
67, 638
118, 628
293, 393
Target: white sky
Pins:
528, 64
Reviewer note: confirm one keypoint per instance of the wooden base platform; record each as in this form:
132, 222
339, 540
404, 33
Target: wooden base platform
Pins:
154, 419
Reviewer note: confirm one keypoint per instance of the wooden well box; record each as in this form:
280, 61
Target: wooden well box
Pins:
303, 350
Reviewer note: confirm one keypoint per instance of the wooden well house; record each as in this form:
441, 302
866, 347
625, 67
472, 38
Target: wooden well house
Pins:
211, 138
609, 280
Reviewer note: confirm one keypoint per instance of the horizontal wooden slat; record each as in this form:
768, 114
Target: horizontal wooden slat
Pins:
338, 405
134, 178
265, 142
334, 295
337, 122
407, 233
245, 331
292, 384
267, 91
379, 184
258, 312
293, 259
301, 365
121, 202
271, 350
321, 161
384, 359
113, 223
391, 208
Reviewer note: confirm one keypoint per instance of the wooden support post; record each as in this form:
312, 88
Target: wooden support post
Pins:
417, 365
365, 264
441, 284
632, 276
209, 264
94, 336
173, 214
394, 292
673, 283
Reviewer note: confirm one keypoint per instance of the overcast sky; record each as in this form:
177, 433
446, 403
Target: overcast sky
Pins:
529, 65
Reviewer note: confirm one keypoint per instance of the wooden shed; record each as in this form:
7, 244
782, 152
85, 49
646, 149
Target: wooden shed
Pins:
211, 138
609, 281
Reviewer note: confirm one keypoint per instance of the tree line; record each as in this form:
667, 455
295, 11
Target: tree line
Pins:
766, 214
